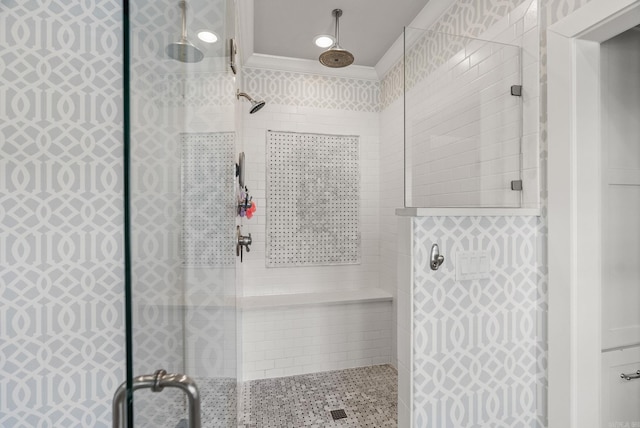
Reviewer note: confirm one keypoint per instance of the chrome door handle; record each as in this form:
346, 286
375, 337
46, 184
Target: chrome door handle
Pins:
157, 382
436, 259
631, 376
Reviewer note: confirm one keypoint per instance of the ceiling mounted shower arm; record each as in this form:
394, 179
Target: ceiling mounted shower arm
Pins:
337, 13
183, 50
183, 7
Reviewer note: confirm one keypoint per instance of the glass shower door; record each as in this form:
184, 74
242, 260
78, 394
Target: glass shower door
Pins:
182, 209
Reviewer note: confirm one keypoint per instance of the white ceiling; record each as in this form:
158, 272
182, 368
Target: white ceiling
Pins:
367, 27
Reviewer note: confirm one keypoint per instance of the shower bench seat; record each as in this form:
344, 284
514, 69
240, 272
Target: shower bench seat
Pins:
292, 334
322, 298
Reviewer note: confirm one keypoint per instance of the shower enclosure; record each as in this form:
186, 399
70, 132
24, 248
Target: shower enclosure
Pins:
66, 107
182, 203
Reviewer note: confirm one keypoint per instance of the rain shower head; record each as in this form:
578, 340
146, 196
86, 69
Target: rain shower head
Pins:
183, 50
335, 56
255, 105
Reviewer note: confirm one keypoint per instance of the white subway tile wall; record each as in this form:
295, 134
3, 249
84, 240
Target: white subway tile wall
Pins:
392, 197
298, 340
257, 278
311, 111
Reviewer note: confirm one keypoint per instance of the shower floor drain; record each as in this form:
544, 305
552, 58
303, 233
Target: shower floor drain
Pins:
338, 414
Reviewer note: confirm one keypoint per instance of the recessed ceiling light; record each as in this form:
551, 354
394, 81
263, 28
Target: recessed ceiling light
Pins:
207, 36
323, 41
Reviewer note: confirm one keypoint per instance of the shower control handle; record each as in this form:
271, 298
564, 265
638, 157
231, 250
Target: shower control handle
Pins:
242, 243
245, 241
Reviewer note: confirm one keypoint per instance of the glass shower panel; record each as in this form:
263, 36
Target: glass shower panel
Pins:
463, 124
182, 209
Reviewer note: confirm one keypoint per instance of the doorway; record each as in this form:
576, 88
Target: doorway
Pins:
590, 195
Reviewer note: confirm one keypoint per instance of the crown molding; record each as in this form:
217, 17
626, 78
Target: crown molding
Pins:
298, 65
428, 16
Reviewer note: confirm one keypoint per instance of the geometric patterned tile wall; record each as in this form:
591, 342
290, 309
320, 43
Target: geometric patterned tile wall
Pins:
61, 264
477, 342
312, 90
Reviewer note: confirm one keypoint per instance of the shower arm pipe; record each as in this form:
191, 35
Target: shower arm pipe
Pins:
183, 6
157, 382
337, 14
242, 94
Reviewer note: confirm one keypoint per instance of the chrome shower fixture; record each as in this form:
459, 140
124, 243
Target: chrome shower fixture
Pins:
335, 56
183, 50
255, 105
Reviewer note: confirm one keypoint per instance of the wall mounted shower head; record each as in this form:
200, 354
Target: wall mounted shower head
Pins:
255, 105
183, 50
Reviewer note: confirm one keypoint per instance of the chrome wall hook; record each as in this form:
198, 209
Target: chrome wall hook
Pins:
436, 259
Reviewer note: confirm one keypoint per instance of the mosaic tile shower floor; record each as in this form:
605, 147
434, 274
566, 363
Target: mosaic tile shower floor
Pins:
367, 394
168, 409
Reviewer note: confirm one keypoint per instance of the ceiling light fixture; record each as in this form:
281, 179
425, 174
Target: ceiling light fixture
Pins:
207, 36
335, 56
323, 41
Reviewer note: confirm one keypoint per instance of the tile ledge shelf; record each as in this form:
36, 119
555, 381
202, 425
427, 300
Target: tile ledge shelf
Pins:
305, 299
467, 212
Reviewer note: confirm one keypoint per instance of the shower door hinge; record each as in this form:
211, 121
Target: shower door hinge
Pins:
516, 185
516, 90
233, 50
